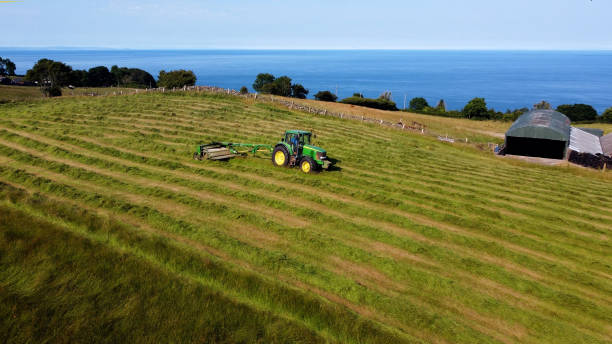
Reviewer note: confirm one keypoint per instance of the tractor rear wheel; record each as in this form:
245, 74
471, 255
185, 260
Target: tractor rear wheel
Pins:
280, 156
307, 165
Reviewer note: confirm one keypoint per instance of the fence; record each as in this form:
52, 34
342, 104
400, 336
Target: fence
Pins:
292, 105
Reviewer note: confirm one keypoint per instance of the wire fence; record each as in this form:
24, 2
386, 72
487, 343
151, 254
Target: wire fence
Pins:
412, 126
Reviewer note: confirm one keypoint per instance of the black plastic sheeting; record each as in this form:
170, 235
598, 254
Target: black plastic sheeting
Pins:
541, 148
597, 161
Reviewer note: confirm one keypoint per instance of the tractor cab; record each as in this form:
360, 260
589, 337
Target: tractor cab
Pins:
296, 149
297, 140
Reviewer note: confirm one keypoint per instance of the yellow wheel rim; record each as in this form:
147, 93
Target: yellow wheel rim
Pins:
279, 158
306, 167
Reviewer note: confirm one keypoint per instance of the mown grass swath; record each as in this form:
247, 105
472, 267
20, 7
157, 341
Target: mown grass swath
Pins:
411, 240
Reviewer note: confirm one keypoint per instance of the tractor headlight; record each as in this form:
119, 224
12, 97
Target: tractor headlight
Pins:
320, 156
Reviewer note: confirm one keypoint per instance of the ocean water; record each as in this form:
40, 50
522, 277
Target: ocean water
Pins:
506, 79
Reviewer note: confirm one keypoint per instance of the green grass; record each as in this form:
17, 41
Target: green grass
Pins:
29, 93
410, 240
18, 93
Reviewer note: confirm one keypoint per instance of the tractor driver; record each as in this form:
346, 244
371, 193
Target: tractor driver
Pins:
294, 143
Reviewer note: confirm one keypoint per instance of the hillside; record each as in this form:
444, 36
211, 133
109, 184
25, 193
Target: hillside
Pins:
110, 231
26, 93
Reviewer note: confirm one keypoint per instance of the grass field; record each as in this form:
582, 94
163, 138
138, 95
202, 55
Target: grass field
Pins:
26, 93
109, 231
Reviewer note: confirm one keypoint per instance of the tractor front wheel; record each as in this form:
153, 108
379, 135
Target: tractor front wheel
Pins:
307, 165
280, 156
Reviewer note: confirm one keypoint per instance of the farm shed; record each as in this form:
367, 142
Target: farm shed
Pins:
539, 133
606, 144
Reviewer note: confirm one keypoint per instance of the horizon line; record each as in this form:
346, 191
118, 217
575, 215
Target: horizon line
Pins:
299, 49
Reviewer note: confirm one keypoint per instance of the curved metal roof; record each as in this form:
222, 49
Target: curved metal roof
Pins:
541, 124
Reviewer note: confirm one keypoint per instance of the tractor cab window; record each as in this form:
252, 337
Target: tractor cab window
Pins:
305, 139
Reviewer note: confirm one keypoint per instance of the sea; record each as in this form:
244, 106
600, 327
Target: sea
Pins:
506, 79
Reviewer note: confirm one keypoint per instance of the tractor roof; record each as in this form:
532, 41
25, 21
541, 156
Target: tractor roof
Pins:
298, 132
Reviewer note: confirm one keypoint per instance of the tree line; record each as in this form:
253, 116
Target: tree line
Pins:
51, 76
476, 108
281, 86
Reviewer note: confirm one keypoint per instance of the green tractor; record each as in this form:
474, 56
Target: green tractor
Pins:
295, 149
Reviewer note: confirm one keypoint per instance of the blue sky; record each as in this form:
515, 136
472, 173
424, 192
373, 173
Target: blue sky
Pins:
311, 24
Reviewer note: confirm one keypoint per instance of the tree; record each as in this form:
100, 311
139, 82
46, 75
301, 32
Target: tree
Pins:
298, 91
325, 96
133, 77
176, 78
418, 104
262, 80
441, 106
79, 78
52, 91
100, 77
606, 117
476, 108
543, 105
7, 67
50, 72
282, 86
244, 90
578, 112
358, 95
50, 76
379, 103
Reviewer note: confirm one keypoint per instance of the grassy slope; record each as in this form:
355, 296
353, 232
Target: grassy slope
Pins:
25, 93
412, 240
478, 131
18, 93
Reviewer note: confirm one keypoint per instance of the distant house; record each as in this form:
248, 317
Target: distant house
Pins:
22, 82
